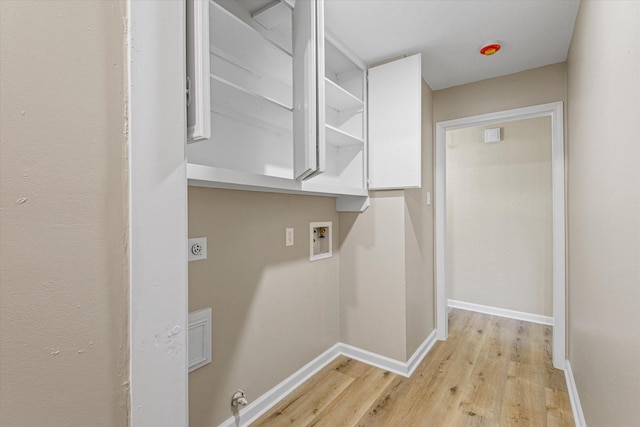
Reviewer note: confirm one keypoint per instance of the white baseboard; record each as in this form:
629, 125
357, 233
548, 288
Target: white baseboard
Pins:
388, 364
502, 312
421, 353
258, 407
374, 359
253, 411
578, 415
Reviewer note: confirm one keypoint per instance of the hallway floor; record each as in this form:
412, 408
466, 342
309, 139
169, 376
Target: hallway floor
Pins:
491, 371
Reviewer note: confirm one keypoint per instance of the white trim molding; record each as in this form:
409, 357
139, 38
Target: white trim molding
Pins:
555, 111
157, 214
262, 404
502, 312
388, 364
576, 407
421, 353
268, 400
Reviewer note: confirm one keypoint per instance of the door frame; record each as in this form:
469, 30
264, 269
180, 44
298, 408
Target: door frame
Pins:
555, 111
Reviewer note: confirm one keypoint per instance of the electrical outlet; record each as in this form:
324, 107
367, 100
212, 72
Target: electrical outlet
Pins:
288, 238
197, 249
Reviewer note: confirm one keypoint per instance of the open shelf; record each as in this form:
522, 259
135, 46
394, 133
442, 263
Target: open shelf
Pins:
345, 120
340, 138
337, 64
227, 67
239, 102
250, 92
339, 98
235, 36
343, 69
241, 55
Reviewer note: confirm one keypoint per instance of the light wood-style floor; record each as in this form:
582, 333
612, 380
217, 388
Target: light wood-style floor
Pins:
491, 371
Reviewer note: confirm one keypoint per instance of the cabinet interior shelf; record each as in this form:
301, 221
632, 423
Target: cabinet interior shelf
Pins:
250, 120
339, 98
250, 92
340, 138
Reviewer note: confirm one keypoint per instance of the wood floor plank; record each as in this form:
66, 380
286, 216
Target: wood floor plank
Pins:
524, 398
305, 403
350, 367
482, 397
402, 399
348, 407
482, 400
456, 381
431, 395
558, 408
554, 378
491, 371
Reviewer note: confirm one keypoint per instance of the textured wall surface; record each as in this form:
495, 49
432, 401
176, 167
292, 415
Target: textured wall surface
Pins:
372, 276
386, 263
531, 87
273, 309
499, 216
419, 237
63, 180
604, 211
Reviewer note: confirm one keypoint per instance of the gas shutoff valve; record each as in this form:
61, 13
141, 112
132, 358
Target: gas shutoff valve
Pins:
239, 399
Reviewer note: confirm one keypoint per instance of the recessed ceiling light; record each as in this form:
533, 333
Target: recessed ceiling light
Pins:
490, 48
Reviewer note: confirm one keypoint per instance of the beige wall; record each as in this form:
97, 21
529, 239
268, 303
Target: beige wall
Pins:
386, 264
273, 309
532, 87
63, 260
372, 276
604, 211
419, 238
499, 216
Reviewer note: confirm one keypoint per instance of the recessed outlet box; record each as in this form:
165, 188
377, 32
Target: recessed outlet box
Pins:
197, 249
320, 240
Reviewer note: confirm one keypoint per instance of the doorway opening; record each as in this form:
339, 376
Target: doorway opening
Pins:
555, 112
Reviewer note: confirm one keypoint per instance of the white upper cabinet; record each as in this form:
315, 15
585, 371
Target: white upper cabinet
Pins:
341, 120
250, 97
276, 103
395, 119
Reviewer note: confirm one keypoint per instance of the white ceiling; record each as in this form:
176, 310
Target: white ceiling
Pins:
449, 34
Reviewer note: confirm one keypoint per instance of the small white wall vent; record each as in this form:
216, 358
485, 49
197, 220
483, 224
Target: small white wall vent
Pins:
492, 135
199, 339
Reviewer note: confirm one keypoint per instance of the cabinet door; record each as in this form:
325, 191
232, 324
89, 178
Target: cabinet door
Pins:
395, 124
198, 103
308, 89
248, 85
